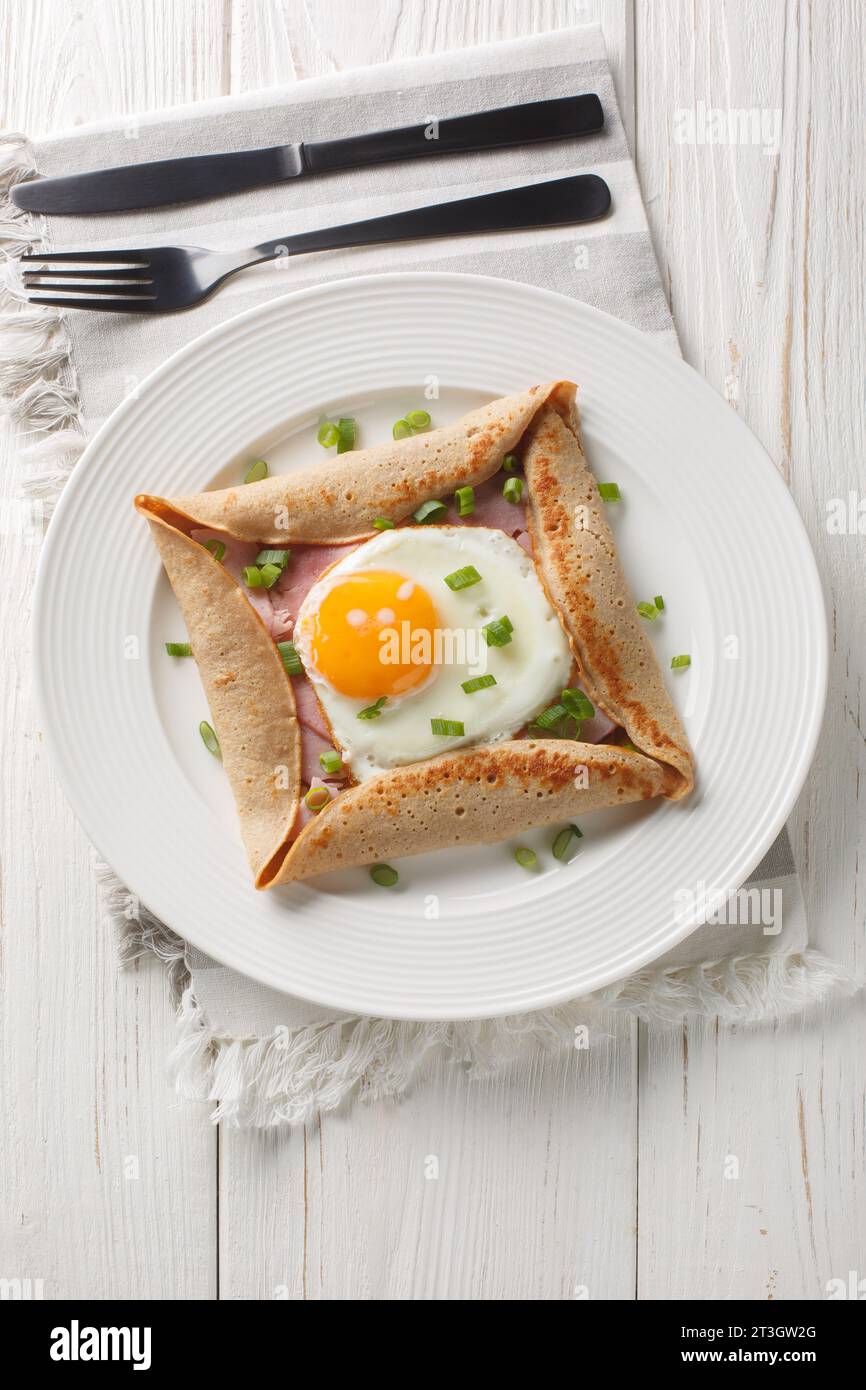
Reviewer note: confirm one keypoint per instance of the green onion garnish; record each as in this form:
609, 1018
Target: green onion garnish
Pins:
270, 574
526, 858
563, 841
178, 648
383, 523
345, 434
290, 658
384, 875
477, 683
418, 420
216, 548
659, 603
327, 434
252, 577
209, 738
512, 489
648, 611
401, 429
463, 579
609, 492
429, 511
331, 762
577, 704
549, 718
678, 663
273, 557
448, 728
498, 633
258, 472
372, 711
317, 799
465, 499
510, 463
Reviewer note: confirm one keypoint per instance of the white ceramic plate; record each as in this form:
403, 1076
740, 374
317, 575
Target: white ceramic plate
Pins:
706, 521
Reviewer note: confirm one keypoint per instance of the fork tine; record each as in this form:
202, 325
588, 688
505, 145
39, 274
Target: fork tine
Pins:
117, 291
109, 257
138, 273
125, 306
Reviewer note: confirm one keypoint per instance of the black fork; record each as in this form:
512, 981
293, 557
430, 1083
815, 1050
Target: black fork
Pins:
160, 279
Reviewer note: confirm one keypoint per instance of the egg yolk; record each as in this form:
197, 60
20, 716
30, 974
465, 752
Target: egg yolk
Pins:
358, 640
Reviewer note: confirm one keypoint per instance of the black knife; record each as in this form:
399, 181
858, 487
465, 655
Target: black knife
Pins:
213, 175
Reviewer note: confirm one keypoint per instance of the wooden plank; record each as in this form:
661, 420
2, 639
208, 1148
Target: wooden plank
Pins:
527, 1161
108, 1182
467, 1190
758, 251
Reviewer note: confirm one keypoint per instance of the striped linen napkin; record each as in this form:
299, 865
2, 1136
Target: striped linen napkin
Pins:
265, 1058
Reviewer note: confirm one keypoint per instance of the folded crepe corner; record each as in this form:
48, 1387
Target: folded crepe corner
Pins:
475, 795
341, 497
248, 691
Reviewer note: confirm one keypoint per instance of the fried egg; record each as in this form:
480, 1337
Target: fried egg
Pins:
383, 636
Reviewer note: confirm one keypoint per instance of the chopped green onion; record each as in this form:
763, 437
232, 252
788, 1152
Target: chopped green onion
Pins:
526, 858
510, 463
430, 511
317, 799
258, 472
273, 557
477, 683
209, 738
563, 841
679, 663
648, 611
401, 429
498, 633
345, 434
463, 579
609, 492
384, 875
448, 728
627, 743
549, 718
216, 548
328, 434
270, 575
331, 762
577, 704
252, 577
372, 711
290, 658
659, 603
512, 489
178, 648
383, 523
418, 420
465, 499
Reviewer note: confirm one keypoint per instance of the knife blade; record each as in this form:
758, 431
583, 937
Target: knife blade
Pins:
195, 177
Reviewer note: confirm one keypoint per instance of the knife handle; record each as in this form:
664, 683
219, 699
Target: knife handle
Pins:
557, 202
557, 119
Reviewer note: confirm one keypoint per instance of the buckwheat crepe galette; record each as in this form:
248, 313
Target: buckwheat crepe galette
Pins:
425, 643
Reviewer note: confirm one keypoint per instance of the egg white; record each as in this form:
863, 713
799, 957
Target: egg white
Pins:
530, 671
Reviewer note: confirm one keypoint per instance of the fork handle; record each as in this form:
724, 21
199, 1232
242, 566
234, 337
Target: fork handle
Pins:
581, 198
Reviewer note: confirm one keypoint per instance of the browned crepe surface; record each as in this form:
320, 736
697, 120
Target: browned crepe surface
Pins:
472, 796
469, 796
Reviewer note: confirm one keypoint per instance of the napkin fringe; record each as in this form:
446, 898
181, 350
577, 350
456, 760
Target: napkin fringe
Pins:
38, 386
289, 1075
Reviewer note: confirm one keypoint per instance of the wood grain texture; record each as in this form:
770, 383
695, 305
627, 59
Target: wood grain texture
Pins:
709, 1162
759, 254
108, 1183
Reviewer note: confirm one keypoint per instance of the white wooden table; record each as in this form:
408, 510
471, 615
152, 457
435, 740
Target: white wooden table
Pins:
605, 1170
